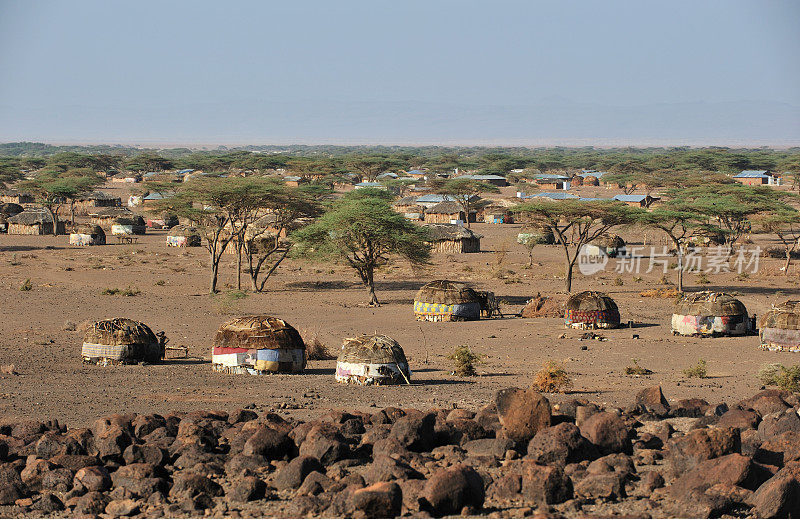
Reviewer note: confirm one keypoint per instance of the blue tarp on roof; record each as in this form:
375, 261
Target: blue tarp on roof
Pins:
550, 176
589, 173
752, 173
553, 196
156, 196
416, 172
631, 198
369, 184
388, 174
184, 171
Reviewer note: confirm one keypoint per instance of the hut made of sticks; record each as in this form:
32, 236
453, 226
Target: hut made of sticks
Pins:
87, 234
92, 201
408, 207
7, 210
609, 244
591, 181
445, 212
258, 344
105, 216
183, 236
372, 360
34, 221
452, 238
537, 236
710, 314
121, 341
591, 310
779, 327
127, 225
444, 300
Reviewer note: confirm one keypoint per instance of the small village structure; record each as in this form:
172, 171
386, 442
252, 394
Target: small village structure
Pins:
443, 300
7, 210
495, 180
128, 226
183, 236
610, 245
779, 327
408, 207
710, 314
90, 202
16, 197
447, 212
258, 344
105, 216
453, 238
121, 341
87, 234
34, 221
126, 178
372, 360
762, 177
591, 310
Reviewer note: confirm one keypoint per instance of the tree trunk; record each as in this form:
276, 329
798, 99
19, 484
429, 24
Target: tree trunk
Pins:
788, 261
54, 219
568, 277
214, 273
239, 266
680, 269
72, 214
369, 281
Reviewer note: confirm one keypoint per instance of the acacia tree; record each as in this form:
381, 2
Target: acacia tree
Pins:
265, 244
576, 223
54, 189
464, 191
366, 233
370, 166
628, 174
679, 225
785, 224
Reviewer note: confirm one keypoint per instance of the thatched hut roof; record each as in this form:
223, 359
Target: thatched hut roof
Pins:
446, 292
91, 230
372, 359
446, 208
121, 340
134, 220
8, 209
610, 241
449, 232
785, 316
406, 201
111, 212
258, 332
31, 216
710, 304
591, 309
183, 230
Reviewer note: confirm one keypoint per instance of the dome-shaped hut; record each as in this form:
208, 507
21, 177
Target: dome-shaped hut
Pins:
121, 341
611, 245
87, 234
576, 180
536, 235
779, 328
443, 300
710, 313
8, 210
591, 310
183, 236
591, 180
126, 225
258, 344
372, 359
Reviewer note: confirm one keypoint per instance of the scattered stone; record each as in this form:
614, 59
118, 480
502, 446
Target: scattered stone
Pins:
608, 432
522, 413
449, 490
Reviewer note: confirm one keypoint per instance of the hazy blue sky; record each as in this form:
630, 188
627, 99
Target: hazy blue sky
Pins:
123, 71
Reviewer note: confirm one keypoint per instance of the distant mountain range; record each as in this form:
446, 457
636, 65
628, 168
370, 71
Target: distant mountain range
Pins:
556, 122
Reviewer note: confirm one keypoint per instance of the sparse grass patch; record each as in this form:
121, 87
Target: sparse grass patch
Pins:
26, 285
636, 370
160, 283
128, 291
618, 281
664, 281
464, 361
14, 261
663, 293
743, 276
785, 377
226, 302
703, 279
552, 378
699, 370
637, 279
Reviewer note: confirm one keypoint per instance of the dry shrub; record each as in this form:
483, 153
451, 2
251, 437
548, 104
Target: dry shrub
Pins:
552, 378
662, 293
699, 370
317, 350
26, 285
784, 377
464, 361
636, 370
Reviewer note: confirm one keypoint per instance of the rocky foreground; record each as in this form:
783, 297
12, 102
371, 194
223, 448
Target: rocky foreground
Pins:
516, 457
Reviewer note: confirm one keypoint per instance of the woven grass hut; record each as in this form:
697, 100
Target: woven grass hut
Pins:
710, 313
452, 238
591, 181
538, 236
183, 236
34, 221
591, 310
258, 344
105, 216
445, 212
8, 210
609, 244
372, 360
87, 234
127, 225
779, 328
121, 341
443, 300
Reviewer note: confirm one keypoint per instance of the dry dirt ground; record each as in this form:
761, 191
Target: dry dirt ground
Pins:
325, 301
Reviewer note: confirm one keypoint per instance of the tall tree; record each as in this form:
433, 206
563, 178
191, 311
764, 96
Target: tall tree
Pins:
464, 191
370, 166
576, 223
679, 225
784, 223
54, 189
366, 233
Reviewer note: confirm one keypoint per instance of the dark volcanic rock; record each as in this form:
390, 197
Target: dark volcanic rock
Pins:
779, 450
415, 432
652, 400
270, 444
561, 444
779, 497
449, 490
522, 413
381, 500
93, 479
686, 452
544, 484
292, 475
248, 488
731, 469
386, 468
608, 432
